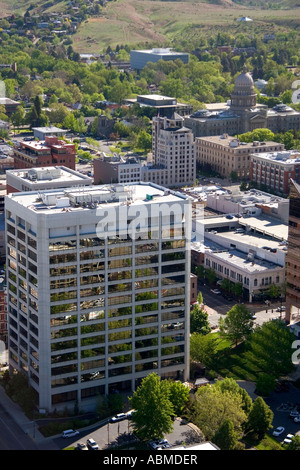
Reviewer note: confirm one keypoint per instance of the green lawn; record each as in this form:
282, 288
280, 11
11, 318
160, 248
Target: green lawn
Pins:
235, 362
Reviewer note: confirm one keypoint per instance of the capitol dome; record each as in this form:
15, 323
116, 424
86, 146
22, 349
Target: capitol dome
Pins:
244, 80
243, 96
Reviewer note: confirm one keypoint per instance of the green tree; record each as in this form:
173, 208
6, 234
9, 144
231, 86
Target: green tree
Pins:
36, 116
295, 444
237, 324
226, 438
260, 418
199, 321
274, 291
265, 384
179, 396
203, 348
210, 275
153, 408
200, 298
232, 386
212, 407
18, 117
144, 141
271, 345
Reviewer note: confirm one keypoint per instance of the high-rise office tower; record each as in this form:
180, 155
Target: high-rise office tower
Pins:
98, 289
173, 150
293, 253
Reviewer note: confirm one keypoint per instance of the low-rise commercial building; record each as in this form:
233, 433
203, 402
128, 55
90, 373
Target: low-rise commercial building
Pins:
256, 275
50, 152
162, 105
140, 58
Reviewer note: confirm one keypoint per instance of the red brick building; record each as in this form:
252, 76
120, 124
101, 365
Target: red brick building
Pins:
50, 152
274, 170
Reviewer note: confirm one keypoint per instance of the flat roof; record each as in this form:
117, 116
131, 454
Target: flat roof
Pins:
49, 129
282, 157
52, 173
226, 139
159, 51
239, 259
267, 226
101, 196
251, 239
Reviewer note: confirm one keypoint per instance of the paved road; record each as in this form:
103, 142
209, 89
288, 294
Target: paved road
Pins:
217, 306
12, 437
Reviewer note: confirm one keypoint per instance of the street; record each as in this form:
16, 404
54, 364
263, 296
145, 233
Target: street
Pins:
217, 306
12, 437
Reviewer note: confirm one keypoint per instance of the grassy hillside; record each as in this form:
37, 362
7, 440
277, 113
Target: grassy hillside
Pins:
141, 21
163, 22
9, 7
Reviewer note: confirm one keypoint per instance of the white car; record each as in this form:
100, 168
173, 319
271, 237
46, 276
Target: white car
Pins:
118, 417
278, 431
216, 291
69, 433
91, 444
288, 439
297, 419
159, 444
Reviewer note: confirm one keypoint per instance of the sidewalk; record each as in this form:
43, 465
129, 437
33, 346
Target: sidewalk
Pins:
25, 424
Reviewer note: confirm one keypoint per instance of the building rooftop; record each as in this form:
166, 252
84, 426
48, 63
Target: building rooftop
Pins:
47, 174
251, 239
284, 157
229, 141
161, 51
267, 226
92, 197
50, 129
238, 259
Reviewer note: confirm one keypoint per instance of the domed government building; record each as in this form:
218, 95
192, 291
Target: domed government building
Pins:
242, 114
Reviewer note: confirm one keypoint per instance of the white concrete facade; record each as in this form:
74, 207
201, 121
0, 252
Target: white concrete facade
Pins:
88, 315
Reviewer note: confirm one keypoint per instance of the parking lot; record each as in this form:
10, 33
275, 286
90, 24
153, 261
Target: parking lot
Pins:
109, 434
112, 433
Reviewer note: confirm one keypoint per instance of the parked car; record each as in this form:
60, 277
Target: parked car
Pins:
81, 446
288, 439
118, 417
69, 433
129, 414
159, 444
278, 431
216, 291
280, 309
294, 414
297, 419
154, 445
91, 444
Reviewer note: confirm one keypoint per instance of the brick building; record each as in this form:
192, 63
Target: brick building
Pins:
50, 152
274, 170
227, 155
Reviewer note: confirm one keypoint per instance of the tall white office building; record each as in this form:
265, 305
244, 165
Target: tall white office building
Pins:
98, 289
173, 151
